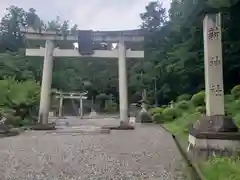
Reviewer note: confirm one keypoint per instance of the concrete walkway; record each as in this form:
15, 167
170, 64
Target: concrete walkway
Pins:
147, 153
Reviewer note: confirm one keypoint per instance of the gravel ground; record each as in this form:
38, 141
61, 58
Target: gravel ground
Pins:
147, 153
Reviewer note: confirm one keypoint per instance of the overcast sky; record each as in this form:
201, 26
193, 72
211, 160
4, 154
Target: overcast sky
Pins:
88, 14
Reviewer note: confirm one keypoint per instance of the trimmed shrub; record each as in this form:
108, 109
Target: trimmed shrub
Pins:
236, 91
156, 110
201, 109
232, 108
183, 97
158, 118
170, 114
183, 105
198, 99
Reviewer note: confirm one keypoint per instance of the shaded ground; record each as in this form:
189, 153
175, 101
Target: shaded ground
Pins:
146, 153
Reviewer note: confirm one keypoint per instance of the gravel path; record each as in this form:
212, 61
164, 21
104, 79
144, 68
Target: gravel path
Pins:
146, 153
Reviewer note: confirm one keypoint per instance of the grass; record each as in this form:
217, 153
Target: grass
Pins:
217, 168
221, 169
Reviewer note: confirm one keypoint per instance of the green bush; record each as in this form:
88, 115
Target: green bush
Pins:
17, 98
170, 114
232, 108
236, 91
201, 109
183, 97
183, 105
158, 118
228, 98
198, 99
156, 110
111, 107
237, 119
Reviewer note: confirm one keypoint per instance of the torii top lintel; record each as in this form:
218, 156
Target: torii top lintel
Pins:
135, 35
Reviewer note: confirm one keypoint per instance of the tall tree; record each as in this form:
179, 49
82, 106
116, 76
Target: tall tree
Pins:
10, 36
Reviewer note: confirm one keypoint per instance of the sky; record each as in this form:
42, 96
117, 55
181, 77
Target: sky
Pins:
88, 14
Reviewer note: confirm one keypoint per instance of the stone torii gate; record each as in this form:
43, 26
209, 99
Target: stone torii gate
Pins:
85, 41
70, 95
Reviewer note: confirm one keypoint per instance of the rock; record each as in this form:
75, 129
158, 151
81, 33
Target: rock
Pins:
144, 117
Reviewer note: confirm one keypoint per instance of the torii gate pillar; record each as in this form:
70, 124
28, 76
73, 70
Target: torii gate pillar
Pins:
123, 89
46, 83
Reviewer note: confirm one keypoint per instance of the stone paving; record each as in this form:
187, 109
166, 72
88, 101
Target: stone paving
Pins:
147, 152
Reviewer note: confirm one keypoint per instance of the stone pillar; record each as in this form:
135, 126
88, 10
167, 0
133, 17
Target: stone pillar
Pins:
81, 107
215, 120
60, 106
213, 65
46, 83
123, 89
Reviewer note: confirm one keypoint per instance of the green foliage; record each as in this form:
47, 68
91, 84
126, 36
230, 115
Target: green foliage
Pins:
221, 168
182, 123
170, 114
183, 97
156, 110
232, 108
111, 107
182, 105
158, 118
198, 99
228, 98
236, 117
201, 109
236, 91
17, 99
102, 96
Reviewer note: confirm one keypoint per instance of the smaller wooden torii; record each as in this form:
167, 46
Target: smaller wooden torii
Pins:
71, 95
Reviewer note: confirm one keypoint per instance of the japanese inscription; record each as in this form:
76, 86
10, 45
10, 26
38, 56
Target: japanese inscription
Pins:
216, 89
215, 61
214, 33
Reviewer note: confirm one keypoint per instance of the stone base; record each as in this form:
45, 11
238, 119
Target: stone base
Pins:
212, 147
44, 127
144, 117
123, 126
214, 135
217, 123
61, 117
81, 130
9, 133
105, 131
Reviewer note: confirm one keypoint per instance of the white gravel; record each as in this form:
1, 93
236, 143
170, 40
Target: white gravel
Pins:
147, 153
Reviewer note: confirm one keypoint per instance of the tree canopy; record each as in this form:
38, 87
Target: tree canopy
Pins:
173, 63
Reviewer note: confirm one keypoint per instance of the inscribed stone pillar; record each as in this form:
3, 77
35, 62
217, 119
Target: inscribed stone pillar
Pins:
123, 89
46, 83
213, 65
